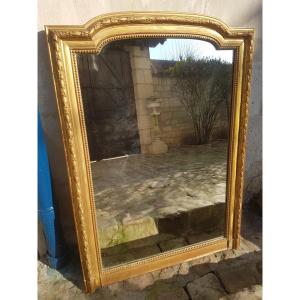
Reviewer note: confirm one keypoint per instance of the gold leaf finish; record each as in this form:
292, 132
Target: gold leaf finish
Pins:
64, 42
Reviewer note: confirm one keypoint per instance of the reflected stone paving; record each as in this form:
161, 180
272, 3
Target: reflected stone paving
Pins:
133, 192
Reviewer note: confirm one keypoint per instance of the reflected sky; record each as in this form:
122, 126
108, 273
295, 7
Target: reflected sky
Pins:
173, 49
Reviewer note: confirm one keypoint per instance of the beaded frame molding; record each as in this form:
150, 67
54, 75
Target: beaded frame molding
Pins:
64, 43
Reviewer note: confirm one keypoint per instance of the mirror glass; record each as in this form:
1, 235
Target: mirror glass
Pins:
157, 117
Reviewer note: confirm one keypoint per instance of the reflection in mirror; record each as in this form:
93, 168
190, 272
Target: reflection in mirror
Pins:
157, 118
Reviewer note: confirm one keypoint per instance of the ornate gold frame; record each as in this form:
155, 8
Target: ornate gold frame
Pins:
64, 42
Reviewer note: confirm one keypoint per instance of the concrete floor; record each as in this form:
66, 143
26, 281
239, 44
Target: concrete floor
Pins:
233, 274
138, 196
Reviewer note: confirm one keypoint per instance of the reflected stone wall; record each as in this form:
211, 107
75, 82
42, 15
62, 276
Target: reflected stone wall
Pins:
175, 124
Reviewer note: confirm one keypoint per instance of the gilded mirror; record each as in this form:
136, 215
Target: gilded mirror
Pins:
153, 110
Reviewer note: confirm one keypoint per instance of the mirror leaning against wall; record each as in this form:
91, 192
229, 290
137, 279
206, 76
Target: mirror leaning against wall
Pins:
157, 116
153, 110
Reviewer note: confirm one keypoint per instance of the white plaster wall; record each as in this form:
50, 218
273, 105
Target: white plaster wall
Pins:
242, 13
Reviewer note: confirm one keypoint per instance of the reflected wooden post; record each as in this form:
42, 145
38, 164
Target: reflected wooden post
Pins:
157, 146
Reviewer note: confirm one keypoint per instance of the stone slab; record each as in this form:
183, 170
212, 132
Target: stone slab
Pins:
139, 282
238, 275
163, 291
252, 293
207, 287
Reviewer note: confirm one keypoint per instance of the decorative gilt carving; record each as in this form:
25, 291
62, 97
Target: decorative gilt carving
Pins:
95, 25
243, 140
68, 135
73, 34
167, 19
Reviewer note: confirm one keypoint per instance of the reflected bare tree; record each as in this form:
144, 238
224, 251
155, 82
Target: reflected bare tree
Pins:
203, 85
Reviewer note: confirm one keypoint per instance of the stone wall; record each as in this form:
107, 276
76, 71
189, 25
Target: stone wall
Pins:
174, 122
73, 12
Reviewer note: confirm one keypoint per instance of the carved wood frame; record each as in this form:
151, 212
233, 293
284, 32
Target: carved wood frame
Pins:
63, 43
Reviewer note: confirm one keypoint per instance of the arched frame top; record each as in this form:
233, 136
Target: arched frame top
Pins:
64, 42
